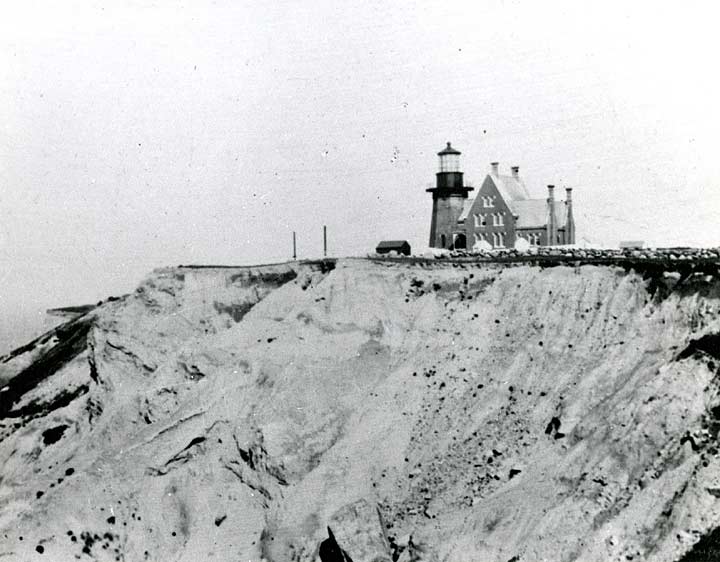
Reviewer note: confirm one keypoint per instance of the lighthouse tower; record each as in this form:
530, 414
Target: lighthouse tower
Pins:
449, 195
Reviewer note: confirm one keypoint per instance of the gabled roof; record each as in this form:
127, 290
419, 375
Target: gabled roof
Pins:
533, 213
392, 244
510, 187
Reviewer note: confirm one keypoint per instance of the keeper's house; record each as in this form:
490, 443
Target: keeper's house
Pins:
500, 213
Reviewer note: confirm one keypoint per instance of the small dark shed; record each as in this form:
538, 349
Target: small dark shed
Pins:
399, 246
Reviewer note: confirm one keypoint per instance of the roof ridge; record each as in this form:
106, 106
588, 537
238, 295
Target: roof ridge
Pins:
509, 192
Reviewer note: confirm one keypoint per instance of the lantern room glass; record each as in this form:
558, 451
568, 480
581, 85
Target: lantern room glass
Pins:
449, 162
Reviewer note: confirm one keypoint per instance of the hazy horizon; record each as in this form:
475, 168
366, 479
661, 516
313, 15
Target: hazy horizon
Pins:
140, 135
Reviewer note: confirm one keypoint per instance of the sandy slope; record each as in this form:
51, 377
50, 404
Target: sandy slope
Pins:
425, 412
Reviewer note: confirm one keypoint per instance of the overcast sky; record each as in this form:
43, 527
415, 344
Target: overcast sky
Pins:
141, 134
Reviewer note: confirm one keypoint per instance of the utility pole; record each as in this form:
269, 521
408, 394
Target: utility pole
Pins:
294, 247
324, 240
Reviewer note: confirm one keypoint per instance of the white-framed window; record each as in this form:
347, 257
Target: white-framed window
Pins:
498, 239
479, 237
532, 237
480, 220
498, 219
488, 201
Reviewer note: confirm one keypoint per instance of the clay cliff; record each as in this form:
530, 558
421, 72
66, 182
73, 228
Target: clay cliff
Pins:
423, 410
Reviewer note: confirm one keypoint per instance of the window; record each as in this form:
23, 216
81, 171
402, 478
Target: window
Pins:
488, 201
480, 220
498, 219
535, 239
498, 239
442, 240
450, 163
532, 237
479, 237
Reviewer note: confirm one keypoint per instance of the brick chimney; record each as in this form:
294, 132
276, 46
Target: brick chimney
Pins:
494, 168
569, 219
515, 171
551, 228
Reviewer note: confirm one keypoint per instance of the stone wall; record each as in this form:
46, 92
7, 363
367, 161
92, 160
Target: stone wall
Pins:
560, 254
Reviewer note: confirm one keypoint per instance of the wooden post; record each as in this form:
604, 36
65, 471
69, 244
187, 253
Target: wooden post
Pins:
325, 241
294, 247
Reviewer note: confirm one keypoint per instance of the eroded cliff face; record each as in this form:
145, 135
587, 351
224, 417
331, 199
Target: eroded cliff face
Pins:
424, 411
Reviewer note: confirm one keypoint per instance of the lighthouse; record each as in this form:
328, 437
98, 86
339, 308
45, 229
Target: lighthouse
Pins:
449, 195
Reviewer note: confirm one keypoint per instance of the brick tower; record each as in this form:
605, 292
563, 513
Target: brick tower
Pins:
449, 195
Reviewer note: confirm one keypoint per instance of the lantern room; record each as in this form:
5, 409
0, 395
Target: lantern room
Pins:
449, 177
449, 159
